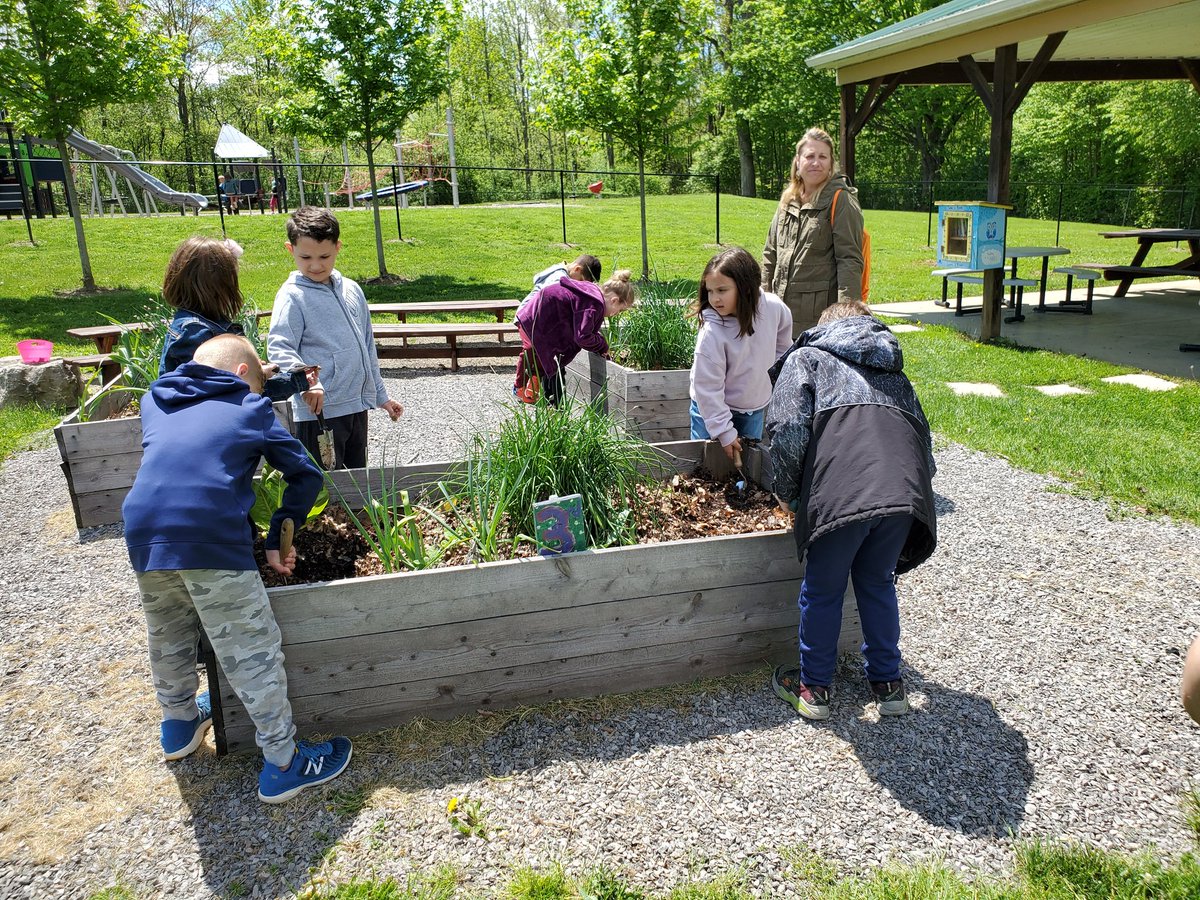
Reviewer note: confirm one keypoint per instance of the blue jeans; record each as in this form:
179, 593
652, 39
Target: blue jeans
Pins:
748, 424
865, 552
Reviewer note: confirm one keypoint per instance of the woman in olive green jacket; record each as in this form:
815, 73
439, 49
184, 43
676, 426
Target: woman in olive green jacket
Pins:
808, 261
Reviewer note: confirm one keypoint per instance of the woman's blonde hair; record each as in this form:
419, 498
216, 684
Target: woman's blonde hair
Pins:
202, 277
620, 285
795, 186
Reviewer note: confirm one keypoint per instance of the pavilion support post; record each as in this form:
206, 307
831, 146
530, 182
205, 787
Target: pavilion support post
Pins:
1004, 80
855, 117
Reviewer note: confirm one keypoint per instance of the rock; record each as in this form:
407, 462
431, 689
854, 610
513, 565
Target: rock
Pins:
53, 383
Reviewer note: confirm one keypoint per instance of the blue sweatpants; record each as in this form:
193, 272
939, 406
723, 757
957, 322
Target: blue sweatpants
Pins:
865, 552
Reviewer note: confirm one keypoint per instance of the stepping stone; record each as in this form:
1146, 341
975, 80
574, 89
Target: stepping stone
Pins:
901, 328
1060, 390
1143, 381
978, 389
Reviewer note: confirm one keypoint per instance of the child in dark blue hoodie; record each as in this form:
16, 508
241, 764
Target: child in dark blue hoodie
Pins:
204, 429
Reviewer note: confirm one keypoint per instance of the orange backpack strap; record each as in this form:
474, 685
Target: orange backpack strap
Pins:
833, 207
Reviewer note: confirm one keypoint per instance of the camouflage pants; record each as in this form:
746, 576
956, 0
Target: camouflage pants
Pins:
233, 609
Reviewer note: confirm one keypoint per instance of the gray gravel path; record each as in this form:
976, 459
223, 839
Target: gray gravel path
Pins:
1044, 643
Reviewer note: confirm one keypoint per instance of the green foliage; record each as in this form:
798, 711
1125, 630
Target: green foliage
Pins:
467, 817
1191, 811
605, 885
659, 332
268, 497
575, 448
439, 884
529, 884
393, 530
1058, 870
140, 352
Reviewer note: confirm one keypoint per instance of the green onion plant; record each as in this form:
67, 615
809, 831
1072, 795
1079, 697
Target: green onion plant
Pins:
659, 332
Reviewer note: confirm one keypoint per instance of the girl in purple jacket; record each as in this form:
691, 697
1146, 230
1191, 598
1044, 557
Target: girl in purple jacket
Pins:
563, 319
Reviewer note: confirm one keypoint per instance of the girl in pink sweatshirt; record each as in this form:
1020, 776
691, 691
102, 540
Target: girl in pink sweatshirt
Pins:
743, 330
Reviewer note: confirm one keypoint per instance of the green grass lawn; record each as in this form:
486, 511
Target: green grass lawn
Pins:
1119, 442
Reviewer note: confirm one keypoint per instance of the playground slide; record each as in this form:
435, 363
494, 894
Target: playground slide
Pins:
142, 179
393, 189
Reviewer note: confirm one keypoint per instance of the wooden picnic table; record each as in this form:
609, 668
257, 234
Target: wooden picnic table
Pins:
431, 307
1188, 267
106, 336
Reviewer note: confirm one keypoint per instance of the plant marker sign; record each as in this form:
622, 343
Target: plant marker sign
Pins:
558, 525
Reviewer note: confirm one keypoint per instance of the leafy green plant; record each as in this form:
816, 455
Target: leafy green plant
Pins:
575, 448
268, 497
393, 531
467, 817
659, 332
138, 352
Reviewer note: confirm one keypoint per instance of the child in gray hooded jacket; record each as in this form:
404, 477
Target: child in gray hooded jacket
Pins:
320, 318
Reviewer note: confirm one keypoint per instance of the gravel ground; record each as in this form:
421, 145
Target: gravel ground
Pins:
1044, 643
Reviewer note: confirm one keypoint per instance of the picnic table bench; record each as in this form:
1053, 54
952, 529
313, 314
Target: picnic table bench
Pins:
451, 331
1188, 267
105, 338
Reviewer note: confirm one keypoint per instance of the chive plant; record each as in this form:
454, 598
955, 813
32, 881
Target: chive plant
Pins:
659, 332
574, 448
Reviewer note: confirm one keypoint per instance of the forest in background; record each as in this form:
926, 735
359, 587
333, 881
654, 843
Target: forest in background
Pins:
740, 96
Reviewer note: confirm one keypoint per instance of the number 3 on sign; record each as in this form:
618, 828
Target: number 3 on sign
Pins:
558, 525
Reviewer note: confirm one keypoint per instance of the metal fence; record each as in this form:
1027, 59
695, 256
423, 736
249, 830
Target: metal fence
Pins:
1125, 205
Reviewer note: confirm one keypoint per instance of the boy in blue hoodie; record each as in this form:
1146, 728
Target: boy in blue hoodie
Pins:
190, 542
321, 318
853, 457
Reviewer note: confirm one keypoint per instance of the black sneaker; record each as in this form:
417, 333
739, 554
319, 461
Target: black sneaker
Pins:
810, 700
893, 701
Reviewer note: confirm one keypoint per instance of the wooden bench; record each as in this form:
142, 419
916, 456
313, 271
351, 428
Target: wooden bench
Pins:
1122, 273
1083, 307
108, 367
451, 331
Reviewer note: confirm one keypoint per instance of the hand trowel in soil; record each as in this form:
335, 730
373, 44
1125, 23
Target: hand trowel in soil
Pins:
744, 483
287, 529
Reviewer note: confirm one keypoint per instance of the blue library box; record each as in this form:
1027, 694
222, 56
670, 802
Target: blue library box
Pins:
971, 234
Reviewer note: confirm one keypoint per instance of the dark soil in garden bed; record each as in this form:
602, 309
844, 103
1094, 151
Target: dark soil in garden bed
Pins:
687, 506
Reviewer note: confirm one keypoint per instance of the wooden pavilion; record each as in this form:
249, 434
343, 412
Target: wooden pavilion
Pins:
1002, 48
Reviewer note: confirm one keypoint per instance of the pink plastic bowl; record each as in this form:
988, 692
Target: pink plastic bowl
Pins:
35, 351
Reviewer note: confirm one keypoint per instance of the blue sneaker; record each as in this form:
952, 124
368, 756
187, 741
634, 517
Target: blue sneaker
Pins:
311, 765
181, 736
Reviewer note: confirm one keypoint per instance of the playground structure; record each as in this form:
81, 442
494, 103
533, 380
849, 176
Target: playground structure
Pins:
121, 162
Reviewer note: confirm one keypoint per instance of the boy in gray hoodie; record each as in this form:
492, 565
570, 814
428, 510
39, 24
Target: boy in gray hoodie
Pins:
320, 318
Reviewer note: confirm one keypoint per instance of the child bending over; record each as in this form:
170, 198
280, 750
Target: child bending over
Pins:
853, 456
585, 268
204, 429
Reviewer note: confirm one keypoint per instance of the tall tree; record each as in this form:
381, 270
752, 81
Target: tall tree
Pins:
363, 66
60, 58
625, 70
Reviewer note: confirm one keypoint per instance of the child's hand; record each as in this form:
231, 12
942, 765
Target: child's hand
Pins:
393, 409
284, 566
731, 449
270, 369
313, 374
315, 400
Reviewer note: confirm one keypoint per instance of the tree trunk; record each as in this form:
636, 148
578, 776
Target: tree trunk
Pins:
746, 156
185, 124
641, 155
610, 151
375, 205
89, 283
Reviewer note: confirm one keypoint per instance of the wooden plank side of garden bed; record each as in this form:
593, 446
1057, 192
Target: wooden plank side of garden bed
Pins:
463, 594
448, 651
89, 439
372, 709
105, 472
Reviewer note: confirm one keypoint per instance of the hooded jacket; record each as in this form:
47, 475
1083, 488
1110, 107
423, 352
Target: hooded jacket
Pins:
563, 319
849, 440
810, 263
203, 433
327, 325
729, 371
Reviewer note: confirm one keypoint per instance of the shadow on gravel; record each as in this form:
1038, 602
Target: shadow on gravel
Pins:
952, 760
943, 505
247, 847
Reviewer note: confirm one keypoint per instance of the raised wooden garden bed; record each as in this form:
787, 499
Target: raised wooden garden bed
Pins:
370, 653
656, 402
101, 456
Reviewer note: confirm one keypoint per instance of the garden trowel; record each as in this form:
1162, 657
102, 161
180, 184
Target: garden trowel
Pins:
325, 443
743, 481
287, 530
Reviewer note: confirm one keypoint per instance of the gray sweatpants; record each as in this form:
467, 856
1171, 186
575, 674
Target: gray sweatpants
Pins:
233, 609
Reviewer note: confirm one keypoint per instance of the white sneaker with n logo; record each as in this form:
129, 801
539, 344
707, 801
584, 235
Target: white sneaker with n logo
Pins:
311, 765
